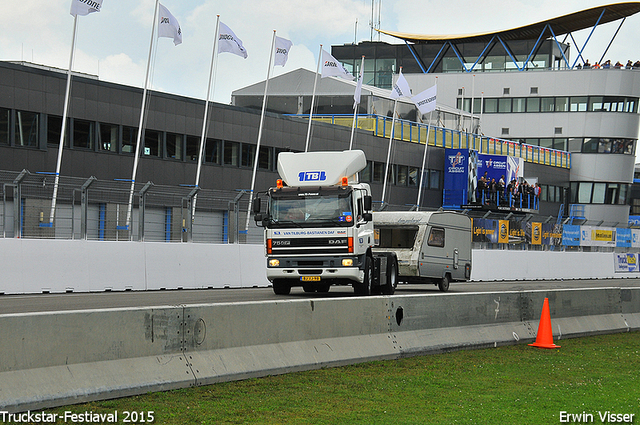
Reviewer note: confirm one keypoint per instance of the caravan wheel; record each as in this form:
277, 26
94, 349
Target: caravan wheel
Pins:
443, 285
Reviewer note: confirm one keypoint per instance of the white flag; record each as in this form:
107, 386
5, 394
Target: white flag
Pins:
169, 26
358, 92
426, 101
228, 42
282, 51
331, 67
400, 88
84, 7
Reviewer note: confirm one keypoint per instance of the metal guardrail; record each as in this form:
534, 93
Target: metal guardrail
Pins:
96, 210
410, 131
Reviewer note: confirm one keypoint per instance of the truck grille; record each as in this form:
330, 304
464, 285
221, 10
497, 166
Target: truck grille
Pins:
302, 246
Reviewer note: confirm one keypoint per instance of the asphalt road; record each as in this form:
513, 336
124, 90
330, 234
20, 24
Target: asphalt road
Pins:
11, 304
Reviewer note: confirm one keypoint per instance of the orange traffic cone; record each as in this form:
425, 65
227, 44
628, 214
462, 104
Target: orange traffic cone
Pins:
544, 339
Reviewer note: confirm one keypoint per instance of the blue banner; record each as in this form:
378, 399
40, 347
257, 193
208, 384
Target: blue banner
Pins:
458, 179
570, 235
623, 236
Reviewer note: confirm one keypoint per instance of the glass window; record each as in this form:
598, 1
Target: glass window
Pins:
519, 104
231, 153
604, 146
212, 149
631, 103
578, 103
152, 143
54, 125
414, 173
265, 158
384, 72
434, 179
504, 105
562, 104
599, 190
391, 173
174, 146
108, 137
575, 145
5, 116
490, 105
83, 134
546, 143
436, 237
547, 104
622, 199
533, 104
129, 135
248, 155
560, 144
584, 192
574, 193
26, 128
595, 104
378, 172
403, 171
612, 193
365, 175
193, 146
590, 145
543, 192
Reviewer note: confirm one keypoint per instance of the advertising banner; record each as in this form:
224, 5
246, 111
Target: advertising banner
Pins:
597, 236
625, 263
570, 235
635, 238
503, 235
458, 179
552, 234
536, 233
485, 230
623, 237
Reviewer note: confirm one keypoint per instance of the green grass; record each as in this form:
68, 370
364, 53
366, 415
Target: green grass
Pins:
507, 385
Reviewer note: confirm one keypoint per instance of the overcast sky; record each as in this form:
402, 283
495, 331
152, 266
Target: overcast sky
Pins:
114, 43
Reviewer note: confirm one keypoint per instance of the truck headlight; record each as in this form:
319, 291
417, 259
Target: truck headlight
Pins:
347, 262
274, 262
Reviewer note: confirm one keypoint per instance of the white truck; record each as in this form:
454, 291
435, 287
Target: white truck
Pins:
319, 230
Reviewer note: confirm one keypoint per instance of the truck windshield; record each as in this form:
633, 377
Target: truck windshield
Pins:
321, 208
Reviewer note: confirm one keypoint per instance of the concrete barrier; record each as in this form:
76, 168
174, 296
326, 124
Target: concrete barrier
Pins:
51, 359
36, 266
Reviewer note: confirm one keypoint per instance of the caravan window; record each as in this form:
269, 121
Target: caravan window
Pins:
436, 237
397, 237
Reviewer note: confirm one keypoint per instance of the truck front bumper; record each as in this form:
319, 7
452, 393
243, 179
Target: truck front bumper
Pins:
309, 269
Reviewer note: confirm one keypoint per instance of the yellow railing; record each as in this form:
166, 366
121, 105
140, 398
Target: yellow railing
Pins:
409, 131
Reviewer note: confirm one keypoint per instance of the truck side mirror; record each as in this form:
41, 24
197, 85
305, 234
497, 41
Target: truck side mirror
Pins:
367, 203
256, 205
259, 218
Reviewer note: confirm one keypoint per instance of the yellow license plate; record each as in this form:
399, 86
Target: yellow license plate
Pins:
310, 278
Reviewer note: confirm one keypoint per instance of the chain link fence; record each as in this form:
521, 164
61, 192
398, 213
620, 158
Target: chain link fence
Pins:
96, 209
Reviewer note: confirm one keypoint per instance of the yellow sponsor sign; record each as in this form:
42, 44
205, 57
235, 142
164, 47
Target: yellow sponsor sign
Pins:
503, 231
602, 235
536, 233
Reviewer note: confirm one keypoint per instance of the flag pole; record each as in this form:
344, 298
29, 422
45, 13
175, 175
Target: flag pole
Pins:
205, 123
356, 103
264, 105
424, 159
64, 124
313, 98
386, 170
139, 136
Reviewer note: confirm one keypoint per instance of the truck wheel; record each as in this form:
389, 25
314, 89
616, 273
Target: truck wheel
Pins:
392, 277
443, 285
280, 287
364, 288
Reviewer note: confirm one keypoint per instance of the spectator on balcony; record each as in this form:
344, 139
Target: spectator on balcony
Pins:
587, 65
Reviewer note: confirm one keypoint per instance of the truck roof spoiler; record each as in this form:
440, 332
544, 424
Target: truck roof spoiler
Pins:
320, 168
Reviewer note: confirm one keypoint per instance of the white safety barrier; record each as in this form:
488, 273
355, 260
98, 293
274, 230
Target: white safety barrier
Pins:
37, 265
